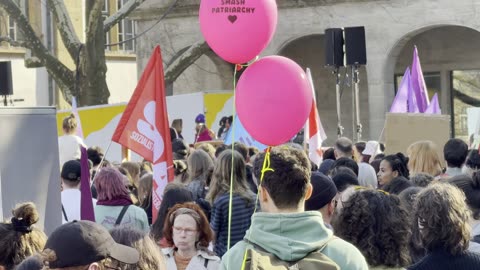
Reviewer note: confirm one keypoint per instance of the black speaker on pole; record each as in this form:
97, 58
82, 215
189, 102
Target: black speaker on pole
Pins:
355, 46
334, 47
6, 87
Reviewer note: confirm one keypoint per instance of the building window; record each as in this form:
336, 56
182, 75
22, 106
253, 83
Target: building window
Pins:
12, 28
126, 30
465, 104
105, 15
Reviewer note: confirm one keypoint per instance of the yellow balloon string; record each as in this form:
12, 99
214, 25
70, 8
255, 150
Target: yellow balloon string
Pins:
265, 168
237, 68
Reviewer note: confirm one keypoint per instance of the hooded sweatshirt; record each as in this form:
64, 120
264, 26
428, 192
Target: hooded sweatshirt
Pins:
291, 237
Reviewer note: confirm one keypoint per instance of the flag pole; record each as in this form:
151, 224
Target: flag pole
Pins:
101, 162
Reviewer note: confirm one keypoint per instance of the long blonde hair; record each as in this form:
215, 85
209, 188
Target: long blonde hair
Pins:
221, 177
424, 158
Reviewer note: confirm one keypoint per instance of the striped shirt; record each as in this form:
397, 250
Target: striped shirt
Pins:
242, 212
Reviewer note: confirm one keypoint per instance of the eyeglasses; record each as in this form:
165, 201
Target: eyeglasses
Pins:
186, 230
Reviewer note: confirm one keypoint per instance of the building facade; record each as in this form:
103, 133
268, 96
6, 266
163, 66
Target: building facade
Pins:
445, 32
33, 86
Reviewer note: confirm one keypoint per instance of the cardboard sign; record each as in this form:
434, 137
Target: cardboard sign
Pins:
403, 129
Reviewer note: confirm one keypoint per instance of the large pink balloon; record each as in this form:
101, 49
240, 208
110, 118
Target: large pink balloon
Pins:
273, 99
238, 30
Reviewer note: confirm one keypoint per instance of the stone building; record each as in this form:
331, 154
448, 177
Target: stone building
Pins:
33, 86
445, 32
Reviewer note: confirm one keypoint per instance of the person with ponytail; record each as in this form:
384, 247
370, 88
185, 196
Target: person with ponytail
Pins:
19, 238
69, 144
392, 166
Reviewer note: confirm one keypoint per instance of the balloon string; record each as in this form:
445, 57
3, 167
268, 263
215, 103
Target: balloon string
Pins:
265, 168
230, 201
237, 68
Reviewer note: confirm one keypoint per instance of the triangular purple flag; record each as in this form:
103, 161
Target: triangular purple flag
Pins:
412, 105
400, 103
86, 203
434, 107
418, 83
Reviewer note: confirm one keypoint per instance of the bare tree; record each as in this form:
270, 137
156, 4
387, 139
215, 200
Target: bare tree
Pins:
88, 80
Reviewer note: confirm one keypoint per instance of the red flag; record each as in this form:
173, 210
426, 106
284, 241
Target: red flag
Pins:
144, 127
314, 132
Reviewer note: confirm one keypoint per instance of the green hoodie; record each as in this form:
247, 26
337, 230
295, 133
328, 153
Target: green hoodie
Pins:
290, 237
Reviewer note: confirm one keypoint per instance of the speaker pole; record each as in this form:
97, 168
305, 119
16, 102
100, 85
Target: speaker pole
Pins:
339, 109
356, 81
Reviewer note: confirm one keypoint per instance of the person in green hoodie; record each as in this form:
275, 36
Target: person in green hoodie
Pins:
284, 228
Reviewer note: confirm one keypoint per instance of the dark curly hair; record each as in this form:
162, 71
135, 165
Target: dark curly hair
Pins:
442, 213
378, 226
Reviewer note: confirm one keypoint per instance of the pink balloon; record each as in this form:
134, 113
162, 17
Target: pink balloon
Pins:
273, 99
238, 30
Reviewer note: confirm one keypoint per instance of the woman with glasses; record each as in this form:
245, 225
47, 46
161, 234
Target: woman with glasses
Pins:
188, 234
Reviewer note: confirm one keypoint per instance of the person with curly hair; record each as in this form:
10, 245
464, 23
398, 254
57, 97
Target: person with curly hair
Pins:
378, 226
441, 217
471, 188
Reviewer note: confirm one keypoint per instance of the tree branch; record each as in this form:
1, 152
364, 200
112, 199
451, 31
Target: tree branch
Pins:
94, 19
65, 27
121, 14
15, 43
62, 74
184, 60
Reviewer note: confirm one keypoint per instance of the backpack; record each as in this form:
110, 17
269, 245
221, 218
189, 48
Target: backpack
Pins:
260, 259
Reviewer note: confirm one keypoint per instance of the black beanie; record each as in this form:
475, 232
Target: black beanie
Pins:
324, 191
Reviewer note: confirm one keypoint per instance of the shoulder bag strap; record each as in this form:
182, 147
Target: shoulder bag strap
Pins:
122, 213
64, 213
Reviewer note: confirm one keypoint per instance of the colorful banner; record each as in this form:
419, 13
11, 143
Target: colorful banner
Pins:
242, 136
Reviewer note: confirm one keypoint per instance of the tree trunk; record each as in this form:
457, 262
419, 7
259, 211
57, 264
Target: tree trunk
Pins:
91, 80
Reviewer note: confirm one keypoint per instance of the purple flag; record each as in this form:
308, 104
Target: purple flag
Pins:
434, 107
412, 105
86, 203
418, 83
400, 103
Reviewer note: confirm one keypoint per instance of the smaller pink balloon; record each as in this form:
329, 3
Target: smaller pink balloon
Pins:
273, 99
238, 30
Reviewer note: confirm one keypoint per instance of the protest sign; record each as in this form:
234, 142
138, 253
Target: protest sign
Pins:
403, 129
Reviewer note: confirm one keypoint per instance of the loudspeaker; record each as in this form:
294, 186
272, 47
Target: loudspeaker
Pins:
334, 47
6, 87
355, 47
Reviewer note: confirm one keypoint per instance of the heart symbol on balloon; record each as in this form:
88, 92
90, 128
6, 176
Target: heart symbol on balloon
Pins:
232, 18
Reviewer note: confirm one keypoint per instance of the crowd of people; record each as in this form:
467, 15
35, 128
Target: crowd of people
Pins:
235, 207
